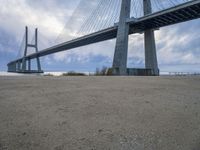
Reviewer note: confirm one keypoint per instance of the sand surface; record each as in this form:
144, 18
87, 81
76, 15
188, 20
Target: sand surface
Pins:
99, 113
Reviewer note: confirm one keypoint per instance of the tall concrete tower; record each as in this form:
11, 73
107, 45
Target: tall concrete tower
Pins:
24, 60
150, 46
121, 48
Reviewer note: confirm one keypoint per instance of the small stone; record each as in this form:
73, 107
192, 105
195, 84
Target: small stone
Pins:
100, 130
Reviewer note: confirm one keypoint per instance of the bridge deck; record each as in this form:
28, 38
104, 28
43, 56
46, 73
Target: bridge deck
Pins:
181, 13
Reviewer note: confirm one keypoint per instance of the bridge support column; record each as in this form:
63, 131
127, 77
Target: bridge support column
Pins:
25, 59
18, 66
150, 46
12, 67
15, 67
121, 48
36, 49
25, 51
29, 65
23, 65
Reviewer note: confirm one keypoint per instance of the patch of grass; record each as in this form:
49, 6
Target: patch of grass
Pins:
49, 75
73, 73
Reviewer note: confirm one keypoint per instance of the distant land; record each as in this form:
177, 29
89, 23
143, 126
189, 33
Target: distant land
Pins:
59, 73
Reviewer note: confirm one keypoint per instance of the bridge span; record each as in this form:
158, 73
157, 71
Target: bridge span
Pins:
150, 21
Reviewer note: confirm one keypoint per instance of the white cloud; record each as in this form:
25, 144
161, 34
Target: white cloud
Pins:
175, 47
17, 14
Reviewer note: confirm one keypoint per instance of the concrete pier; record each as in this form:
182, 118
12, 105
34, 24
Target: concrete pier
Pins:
149, 43
121, 48
29, 65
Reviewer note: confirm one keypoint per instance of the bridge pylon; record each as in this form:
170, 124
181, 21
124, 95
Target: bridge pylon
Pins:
24, 65
121, 47
28, 69
149, 43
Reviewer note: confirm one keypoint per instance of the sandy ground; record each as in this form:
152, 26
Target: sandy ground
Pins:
99, 113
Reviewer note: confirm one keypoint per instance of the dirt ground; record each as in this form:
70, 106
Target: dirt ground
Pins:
99, 113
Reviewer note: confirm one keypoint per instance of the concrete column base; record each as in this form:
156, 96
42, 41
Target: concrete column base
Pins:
133, 72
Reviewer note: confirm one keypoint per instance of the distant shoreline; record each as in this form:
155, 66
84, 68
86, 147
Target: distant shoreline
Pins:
4, 73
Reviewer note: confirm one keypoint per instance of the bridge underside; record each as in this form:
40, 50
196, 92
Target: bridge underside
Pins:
185, 12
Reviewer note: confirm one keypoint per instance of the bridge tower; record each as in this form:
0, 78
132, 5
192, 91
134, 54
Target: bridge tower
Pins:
121, 48
149, 43
23, 68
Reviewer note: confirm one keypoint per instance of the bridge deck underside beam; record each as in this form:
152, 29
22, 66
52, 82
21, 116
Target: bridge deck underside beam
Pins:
178, 14
168, 17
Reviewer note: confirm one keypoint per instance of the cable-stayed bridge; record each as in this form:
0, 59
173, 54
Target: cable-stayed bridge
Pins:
121, 18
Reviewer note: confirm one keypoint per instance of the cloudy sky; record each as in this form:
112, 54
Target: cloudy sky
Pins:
178, 46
